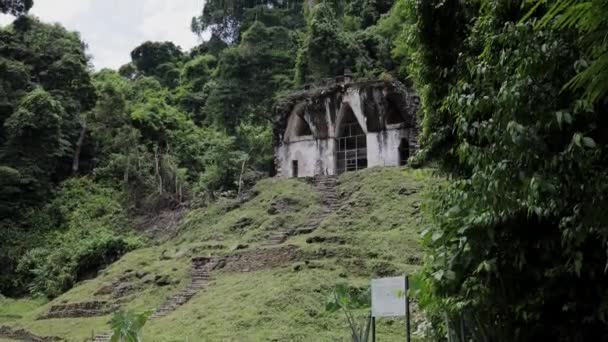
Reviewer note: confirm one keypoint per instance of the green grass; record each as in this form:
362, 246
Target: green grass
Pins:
251, 222
11, 309
378, 223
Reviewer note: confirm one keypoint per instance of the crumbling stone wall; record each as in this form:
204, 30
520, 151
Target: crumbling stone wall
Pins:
24, 335
84, 309
323, 109
260, 259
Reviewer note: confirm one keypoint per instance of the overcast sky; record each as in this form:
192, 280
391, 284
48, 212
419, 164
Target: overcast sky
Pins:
112, 28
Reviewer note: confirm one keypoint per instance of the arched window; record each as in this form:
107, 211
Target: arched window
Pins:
393, 115
302, 127
352, 144
297, 127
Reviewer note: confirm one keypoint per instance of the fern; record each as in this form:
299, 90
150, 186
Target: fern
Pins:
590, 19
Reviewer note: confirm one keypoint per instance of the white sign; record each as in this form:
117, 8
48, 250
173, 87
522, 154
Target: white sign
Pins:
388, 297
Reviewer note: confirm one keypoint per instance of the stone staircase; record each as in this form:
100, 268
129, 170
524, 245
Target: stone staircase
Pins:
327, 187
201, 267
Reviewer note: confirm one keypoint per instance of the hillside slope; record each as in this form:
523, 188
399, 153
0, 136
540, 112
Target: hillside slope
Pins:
255, 286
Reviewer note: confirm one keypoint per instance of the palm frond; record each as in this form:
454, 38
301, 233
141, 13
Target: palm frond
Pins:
589, 18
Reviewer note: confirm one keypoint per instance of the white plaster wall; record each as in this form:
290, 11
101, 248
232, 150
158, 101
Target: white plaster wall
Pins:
315, 157
318, 157
383, 147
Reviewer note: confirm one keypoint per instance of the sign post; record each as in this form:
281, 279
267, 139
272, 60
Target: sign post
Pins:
390, 299
407, 309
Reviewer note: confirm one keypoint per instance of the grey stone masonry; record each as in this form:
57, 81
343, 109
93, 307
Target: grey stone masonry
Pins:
84, 309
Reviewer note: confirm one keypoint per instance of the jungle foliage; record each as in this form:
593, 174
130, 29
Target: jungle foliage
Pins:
513, 97
169, 130
520, 228
15, 7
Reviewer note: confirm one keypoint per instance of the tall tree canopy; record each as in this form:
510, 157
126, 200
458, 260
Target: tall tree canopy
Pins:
15, 7
227, 19
45, 87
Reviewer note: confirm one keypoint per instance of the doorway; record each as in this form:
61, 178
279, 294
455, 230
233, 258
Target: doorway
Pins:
294, 168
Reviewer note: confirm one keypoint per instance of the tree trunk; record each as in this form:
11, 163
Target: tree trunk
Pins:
241, 176
157, 171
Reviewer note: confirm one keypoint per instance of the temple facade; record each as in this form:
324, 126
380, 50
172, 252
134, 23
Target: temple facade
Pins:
345, 126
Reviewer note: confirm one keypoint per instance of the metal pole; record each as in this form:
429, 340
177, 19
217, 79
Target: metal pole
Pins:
407, 309
373, 329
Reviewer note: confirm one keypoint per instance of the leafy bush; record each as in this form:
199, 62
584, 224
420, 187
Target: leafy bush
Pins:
346, 299
83, 229
127, 326
521, 225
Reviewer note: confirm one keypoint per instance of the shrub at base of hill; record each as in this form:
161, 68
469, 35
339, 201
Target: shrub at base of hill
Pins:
82, 230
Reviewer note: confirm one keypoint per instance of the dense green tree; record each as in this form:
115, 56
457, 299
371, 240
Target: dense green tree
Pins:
589, 18
522, 214
214, 46
367, 12
159, 59
338, 38
249, 75
225, 18
15, 7
45, 88
196, 77
150, 55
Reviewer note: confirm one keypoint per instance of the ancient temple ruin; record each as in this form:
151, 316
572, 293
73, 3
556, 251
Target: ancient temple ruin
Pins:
345, 126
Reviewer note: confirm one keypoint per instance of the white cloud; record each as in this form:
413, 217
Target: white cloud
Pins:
170, 21
113, 28
61, 11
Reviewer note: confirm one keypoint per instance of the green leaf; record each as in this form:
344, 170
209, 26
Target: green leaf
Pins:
589, 142
439, 275
437, 236
576, 139
560, 118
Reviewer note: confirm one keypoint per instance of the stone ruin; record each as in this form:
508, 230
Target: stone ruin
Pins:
345, 126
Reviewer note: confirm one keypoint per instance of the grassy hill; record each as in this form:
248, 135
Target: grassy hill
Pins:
373, 233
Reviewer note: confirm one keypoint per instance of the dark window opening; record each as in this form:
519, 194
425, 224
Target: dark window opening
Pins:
393, 115
302, 127
294, 168
352, 144
404, 152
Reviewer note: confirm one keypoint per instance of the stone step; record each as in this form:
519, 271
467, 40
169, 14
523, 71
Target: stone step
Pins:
200, 280
272, 243
302, 231
278, 237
